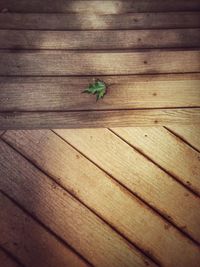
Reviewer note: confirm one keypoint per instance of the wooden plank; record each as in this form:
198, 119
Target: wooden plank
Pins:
98, 119
129, 21
125, 92
191, 134
6, 261
139, 175
106, 198
97, 63
108, 7
36, 248
66, 216
84, 40
168, 151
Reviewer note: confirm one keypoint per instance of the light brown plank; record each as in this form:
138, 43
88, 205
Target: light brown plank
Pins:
31, 243
67, 217
98, 63
129, 21
168, 151
6, 261
124, 39
98, 119
139, 175
125, 92
190, 134
121, 209
108, 7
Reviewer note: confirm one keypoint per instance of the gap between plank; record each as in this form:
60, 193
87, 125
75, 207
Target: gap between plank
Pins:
102, 75
160, 167
32, 216
153, 209
59, 239
151, 257
95, 110
11, 256
181, 138
91, 30
1, 134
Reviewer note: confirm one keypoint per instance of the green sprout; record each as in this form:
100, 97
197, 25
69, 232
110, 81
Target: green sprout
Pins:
97, 88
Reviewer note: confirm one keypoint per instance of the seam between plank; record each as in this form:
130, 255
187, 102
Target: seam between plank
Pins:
153, 209
34, 217
11, 256
155, 163
182, 139
142, 251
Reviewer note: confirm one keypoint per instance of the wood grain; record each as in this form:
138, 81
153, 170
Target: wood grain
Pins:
97, 63
168, 151
139, 175
98, 119
108, 7
190, 134
66, 216
105, 197
125, 92
129, 21
31, 243
6, 261
80, 40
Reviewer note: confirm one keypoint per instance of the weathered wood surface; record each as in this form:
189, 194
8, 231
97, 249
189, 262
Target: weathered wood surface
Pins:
80, 40
138, 174
30, 242
105, 7
125, 92
170, 154
70, 219
129, 216
189, 134
7, 261
128, 21
99, 39
99, 119
62, 63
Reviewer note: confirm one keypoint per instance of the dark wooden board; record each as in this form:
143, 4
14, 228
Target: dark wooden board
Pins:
124, 92
98, 119
89, 21
113, 7
81, 40
62, 63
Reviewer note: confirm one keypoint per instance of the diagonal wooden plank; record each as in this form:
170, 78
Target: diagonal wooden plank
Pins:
66, 216
124, 92
108, 7
168, 151
129, 21
98, 119
29, 242
65, 63
191, 134
106, 198
6, 261
139, 175
85, 40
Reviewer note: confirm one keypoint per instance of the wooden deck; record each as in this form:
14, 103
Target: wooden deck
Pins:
146, 51
100, 197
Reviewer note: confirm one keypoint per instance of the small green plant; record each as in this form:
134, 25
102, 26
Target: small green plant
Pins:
97, 88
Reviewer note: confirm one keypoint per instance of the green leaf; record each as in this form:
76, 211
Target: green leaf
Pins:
97, 88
